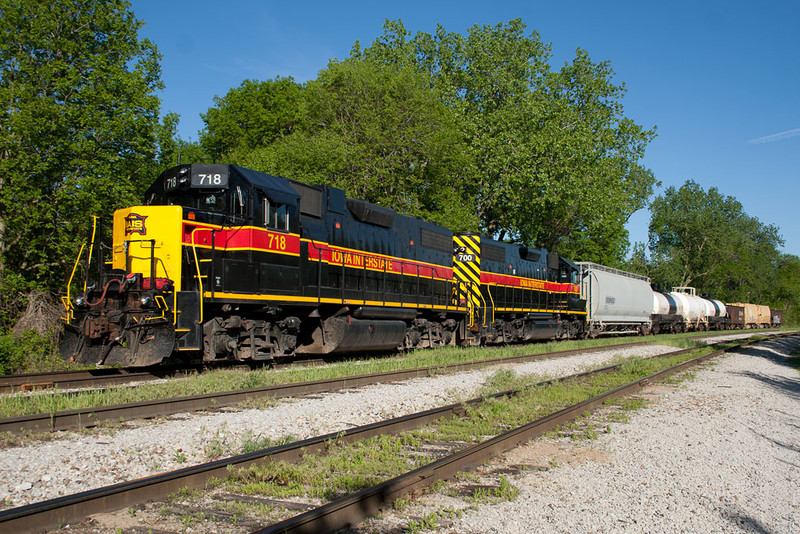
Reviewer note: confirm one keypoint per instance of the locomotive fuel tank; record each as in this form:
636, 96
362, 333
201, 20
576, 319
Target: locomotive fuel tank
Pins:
616, 301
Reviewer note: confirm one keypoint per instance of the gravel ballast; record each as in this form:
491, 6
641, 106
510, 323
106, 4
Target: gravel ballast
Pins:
78, 462
719, 453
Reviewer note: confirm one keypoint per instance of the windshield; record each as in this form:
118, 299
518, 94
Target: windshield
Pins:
201, 200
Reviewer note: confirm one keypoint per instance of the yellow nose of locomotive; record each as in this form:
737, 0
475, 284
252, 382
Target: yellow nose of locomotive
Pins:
147, 240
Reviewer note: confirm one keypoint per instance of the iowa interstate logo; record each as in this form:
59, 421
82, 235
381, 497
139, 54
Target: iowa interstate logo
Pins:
134, 224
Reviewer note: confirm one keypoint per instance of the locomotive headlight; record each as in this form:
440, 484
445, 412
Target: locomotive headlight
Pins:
146, 300
80, 301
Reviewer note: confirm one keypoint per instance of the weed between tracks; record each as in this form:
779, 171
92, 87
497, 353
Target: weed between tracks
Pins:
345, 468
231, 380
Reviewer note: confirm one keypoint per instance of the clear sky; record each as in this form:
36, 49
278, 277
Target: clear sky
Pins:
719, 79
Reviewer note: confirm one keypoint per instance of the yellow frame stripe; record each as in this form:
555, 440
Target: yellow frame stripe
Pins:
314, 300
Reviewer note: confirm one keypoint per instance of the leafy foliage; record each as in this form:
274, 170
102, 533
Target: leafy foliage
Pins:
785, 288
475, 132
253, 115
705, 238
379, 133
78, 119
551, 159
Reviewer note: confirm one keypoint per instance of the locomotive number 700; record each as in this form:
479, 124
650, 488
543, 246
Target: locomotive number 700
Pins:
466, 257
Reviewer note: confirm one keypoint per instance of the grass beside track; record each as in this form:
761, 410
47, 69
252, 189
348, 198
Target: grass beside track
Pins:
230, 380
348, 467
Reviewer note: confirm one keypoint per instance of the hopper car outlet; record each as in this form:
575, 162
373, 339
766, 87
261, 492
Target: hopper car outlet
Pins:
226, 263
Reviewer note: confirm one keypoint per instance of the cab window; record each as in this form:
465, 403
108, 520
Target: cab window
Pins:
214, 202
239, 200
276, 216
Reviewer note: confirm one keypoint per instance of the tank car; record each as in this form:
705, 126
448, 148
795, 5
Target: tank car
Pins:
717, 314
668, 313
695, 312
617, 302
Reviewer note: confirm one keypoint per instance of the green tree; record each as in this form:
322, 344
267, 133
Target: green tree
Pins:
380, 134
551, 158
77, 128
704, 238
785, 292
251, 116
173, 150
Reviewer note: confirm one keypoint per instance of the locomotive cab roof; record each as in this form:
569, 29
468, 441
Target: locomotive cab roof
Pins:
201, 177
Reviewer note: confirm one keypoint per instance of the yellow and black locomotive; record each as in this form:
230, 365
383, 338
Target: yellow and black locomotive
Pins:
226, 263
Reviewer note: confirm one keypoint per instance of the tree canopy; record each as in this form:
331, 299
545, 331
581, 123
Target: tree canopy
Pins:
552, 160
476, 132
78, 121
379, 133
705, 238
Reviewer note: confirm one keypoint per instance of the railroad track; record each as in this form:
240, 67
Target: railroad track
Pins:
105, 377
340, 512
89, 378
91, 416
102, 378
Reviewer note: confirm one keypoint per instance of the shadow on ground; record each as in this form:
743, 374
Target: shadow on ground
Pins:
780, 352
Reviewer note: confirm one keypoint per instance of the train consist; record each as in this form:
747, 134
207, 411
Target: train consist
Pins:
225, 263
622, 302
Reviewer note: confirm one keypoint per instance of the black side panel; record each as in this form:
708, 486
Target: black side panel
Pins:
371, 213
552, 261
529, 254
493, 252
189, 335
310, 199
336, 200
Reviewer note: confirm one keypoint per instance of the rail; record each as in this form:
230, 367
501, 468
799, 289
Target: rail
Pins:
91, 416
341, 512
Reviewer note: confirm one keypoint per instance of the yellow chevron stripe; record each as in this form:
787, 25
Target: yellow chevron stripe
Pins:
471, 244
466, 275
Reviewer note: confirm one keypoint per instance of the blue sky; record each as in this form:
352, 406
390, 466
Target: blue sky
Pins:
719, 80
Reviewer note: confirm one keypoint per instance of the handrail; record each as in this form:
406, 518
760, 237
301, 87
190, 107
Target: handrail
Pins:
197, 267
91, 248
68, 303
489, 292
407, 267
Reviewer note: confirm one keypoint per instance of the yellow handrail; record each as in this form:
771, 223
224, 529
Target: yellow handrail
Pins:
91, 245
68, 303
199, 276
